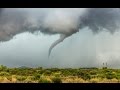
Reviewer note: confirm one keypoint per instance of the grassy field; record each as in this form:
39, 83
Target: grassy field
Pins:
55, 75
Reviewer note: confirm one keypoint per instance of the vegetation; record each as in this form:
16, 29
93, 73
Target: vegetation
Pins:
57, 75
56, 80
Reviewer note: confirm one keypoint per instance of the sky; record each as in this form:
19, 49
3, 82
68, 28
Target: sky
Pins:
81, 49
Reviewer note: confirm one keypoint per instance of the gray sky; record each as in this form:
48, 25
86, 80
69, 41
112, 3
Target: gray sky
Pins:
82, 49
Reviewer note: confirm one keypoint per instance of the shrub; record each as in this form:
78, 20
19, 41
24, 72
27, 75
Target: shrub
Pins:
47, 72
93, 72
37, 76
57, 74
21, 78
4, 74
118, 76
29, 79
43, 80
84, 75
9, 78
110, 76
2, 67
56, 80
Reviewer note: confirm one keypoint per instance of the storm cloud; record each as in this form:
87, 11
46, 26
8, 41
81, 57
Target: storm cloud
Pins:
68, 23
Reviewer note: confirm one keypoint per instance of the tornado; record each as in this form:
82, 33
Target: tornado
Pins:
62, 37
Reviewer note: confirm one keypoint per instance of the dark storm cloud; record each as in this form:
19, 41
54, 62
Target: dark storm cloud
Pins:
57, 21
98, 19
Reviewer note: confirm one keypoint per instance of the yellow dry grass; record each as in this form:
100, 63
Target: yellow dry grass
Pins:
68, 79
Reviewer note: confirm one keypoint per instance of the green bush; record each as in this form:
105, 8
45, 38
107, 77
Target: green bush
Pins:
101, 76
43, 80
31, 78
66, 73
21, 78
47, 72
118, 76
57, 74
56, 80
37, 76
110, 76
2, 67
93, 72
84, 75
28, 79
4, 74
